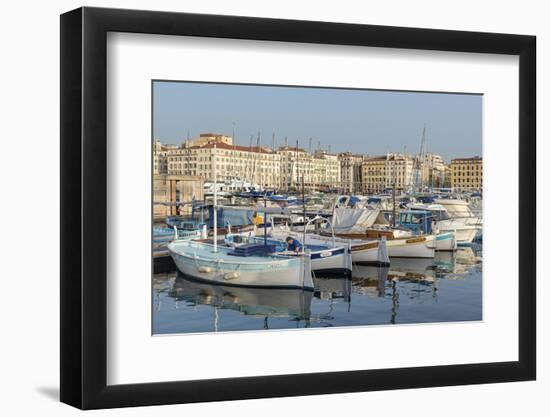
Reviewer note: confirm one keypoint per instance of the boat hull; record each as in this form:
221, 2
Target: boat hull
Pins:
445, 241
413, 247
332, 261
363, 252
223, 270
464, 231
463, 235
369, 253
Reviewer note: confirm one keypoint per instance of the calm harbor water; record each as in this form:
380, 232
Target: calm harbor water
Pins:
446, 288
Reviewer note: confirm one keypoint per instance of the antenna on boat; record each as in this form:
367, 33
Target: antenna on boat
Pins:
215, 175
393, 200
297, 166
265, 218
304, 214
258, 175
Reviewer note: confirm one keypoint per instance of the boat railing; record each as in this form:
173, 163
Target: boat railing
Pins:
276, 259
322, 220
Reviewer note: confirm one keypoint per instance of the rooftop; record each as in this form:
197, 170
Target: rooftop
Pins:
221, 145
473, 158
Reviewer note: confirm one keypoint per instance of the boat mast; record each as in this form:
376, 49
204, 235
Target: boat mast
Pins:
393, 200
265, 218
304, 214
258, 175
422, 157
297, 166
419, 165
215, 175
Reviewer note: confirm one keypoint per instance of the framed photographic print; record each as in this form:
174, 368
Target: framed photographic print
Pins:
243, 196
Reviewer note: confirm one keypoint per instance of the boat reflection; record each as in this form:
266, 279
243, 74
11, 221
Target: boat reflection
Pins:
369, 280
333, 289
291, 303
444, 265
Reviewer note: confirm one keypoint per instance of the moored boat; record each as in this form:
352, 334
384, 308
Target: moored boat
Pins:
422, 222
366, 252
253, 268
325, 259
368, 224
453, 216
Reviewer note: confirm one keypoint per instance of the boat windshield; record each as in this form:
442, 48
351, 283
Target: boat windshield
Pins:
440, 215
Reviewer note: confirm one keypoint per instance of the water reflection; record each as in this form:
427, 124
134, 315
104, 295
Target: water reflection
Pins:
294, 304
407, 291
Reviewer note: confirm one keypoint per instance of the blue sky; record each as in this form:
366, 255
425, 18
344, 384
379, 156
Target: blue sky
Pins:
361, 121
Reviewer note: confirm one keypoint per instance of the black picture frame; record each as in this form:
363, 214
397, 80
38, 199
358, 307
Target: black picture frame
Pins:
84, 207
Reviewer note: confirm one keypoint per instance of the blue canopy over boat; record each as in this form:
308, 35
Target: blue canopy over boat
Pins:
426, 199
374, 200
233, 216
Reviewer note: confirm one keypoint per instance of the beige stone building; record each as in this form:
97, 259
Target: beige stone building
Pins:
447, 178
351, 172
433, 170
387, 171
319, 170
256, 164
467, 174
399, 171
160, 156
374, 174
285, 167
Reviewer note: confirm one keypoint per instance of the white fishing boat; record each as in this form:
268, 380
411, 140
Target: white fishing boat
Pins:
326, 259
366, 252
253, 265
368, 224
422, 222
249, 267
465, 228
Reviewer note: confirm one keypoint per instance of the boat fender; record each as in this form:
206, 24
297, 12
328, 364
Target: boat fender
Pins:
206, 269
232, 275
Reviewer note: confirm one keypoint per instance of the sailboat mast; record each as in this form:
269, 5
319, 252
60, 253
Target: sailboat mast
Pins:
265, 218
297, 166
422, 157
215, 175
304, 213
257, 171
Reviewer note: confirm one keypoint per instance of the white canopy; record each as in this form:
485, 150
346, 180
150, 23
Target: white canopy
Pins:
356, 220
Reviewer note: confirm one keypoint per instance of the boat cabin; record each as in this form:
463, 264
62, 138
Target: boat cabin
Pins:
419, 221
